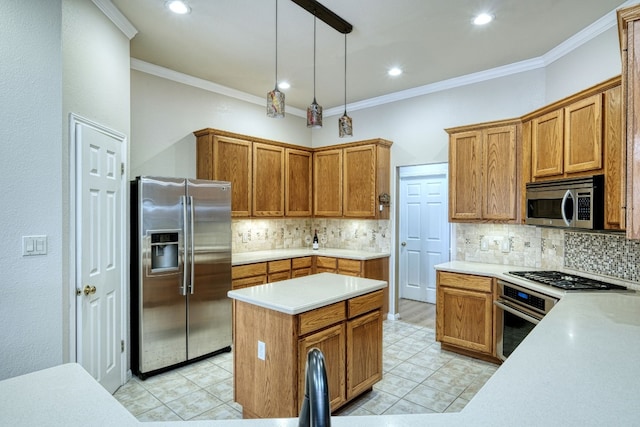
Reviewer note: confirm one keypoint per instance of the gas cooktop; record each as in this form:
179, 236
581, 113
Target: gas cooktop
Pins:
569, 282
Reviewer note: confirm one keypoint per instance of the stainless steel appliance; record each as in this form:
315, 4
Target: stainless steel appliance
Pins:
180, 271
572, 203
566, 281
520, 309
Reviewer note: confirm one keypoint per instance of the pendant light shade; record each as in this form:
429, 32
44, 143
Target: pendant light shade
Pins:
275, 98
345, 125
314, 111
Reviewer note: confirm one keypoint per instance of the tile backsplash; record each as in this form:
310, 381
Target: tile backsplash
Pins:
290, 233
607, 254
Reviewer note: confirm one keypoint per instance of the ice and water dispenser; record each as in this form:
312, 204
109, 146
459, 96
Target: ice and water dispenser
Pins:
164, 251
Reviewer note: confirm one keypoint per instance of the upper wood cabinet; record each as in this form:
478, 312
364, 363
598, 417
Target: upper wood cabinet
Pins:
629, 31
483, 172
614, 160
268, 180
298, 178
327, 183
348, 179
583, 135
547, 144
224, 158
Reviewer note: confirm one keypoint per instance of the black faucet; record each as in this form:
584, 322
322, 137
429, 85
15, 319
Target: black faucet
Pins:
316, 410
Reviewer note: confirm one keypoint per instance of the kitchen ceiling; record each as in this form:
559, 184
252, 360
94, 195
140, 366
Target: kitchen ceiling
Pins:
232, 42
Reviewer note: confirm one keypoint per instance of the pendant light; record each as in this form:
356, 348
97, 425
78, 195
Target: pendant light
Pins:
314, 111
345, 127
275, 98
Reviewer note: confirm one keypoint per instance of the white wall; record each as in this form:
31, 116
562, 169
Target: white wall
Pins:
593, 62
41, 83
96, 85
165, 114
30, 171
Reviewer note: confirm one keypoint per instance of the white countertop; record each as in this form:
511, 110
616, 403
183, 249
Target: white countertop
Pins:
578, 367
295, 296
276, 254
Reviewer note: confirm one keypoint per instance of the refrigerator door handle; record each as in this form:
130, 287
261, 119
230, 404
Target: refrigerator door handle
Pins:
192, 244
185, 253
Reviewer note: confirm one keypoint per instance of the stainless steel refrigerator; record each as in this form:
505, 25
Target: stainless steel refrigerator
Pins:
180, 271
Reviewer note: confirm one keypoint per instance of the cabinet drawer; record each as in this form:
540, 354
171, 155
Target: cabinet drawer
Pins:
321, 317
280, 265
465, 281
349, 265
325, 262
303, 262
245, 282
364, 303
248, 270
281, 275
300, 272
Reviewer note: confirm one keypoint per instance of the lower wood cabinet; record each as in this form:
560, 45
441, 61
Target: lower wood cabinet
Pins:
243, 276
465, 313
301, 266
279, 270
349, 334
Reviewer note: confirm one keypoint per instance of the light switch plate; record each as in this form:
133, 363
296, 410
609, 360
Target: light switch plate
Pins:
262, 350
34, 245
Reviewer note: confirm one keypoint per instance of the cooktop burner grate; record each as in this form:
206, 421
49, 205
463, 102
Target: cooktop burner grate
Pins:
565, 281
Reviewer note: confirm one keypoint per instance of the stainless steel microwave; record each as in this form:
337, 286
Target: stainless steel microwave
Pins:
567, 203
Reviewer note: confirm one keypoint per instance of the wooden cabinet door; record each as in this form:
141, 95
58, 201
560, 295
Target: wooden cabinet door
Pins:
631, 93
268, 180
298, 187
547, 144
232, 162
583, 135
464, 318
465, 175
614, 160
327, 183
359, 185
499, 173
364, 353
332, 343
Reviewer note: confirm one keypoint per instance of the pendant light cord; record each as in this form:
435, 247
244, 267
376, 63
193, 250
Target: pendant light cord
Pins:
314, 58
345, 73
276, 44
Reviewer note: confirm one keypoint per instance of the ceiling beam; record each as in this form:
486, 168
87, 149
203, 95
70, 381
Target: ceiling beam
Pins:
326, 15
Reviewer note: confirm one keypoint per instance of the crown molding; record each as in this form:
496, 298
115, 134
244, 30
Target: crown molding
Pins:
207, 85
113, 13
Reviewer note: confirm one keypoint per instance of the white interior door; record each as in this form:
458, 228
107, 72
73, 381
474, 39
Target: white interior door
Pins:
100, 251
424, 230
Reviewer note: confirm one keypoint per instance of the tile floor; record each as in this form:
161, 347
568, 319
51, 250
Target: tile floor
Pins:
418, 377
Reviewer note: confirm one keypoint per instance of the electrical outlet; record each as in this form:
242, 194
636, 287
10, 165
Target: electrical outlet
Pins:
484, 244
245, 237
262, 350
506, 245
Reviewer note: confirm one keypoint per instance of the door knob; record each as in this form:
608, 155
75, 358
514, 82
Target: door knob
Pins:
89, 290
404, 243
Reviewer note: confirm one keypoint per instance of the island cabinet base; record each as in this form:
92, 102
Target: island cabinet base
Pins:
270, 352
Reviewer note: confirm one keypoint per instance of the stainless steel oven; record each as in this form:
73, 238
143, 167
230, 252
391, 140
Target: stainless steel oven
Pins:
519, 311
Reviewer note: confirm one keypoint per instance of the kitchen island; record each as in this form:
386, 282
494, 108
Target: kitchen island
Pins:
275, 325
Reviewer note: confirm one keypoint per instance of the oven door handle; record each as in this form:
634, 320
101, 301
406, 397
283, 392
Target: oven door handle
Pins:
509, 308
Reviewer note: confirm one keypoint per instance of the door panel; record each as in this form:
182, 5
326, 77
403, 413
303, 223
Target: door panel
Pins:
209, 308
99, 248
424, 234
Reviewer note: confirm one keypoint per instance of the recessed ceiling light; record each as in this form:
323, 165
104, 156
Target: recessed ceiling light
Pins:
395, 71
284, 85
483, 19
178, 6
